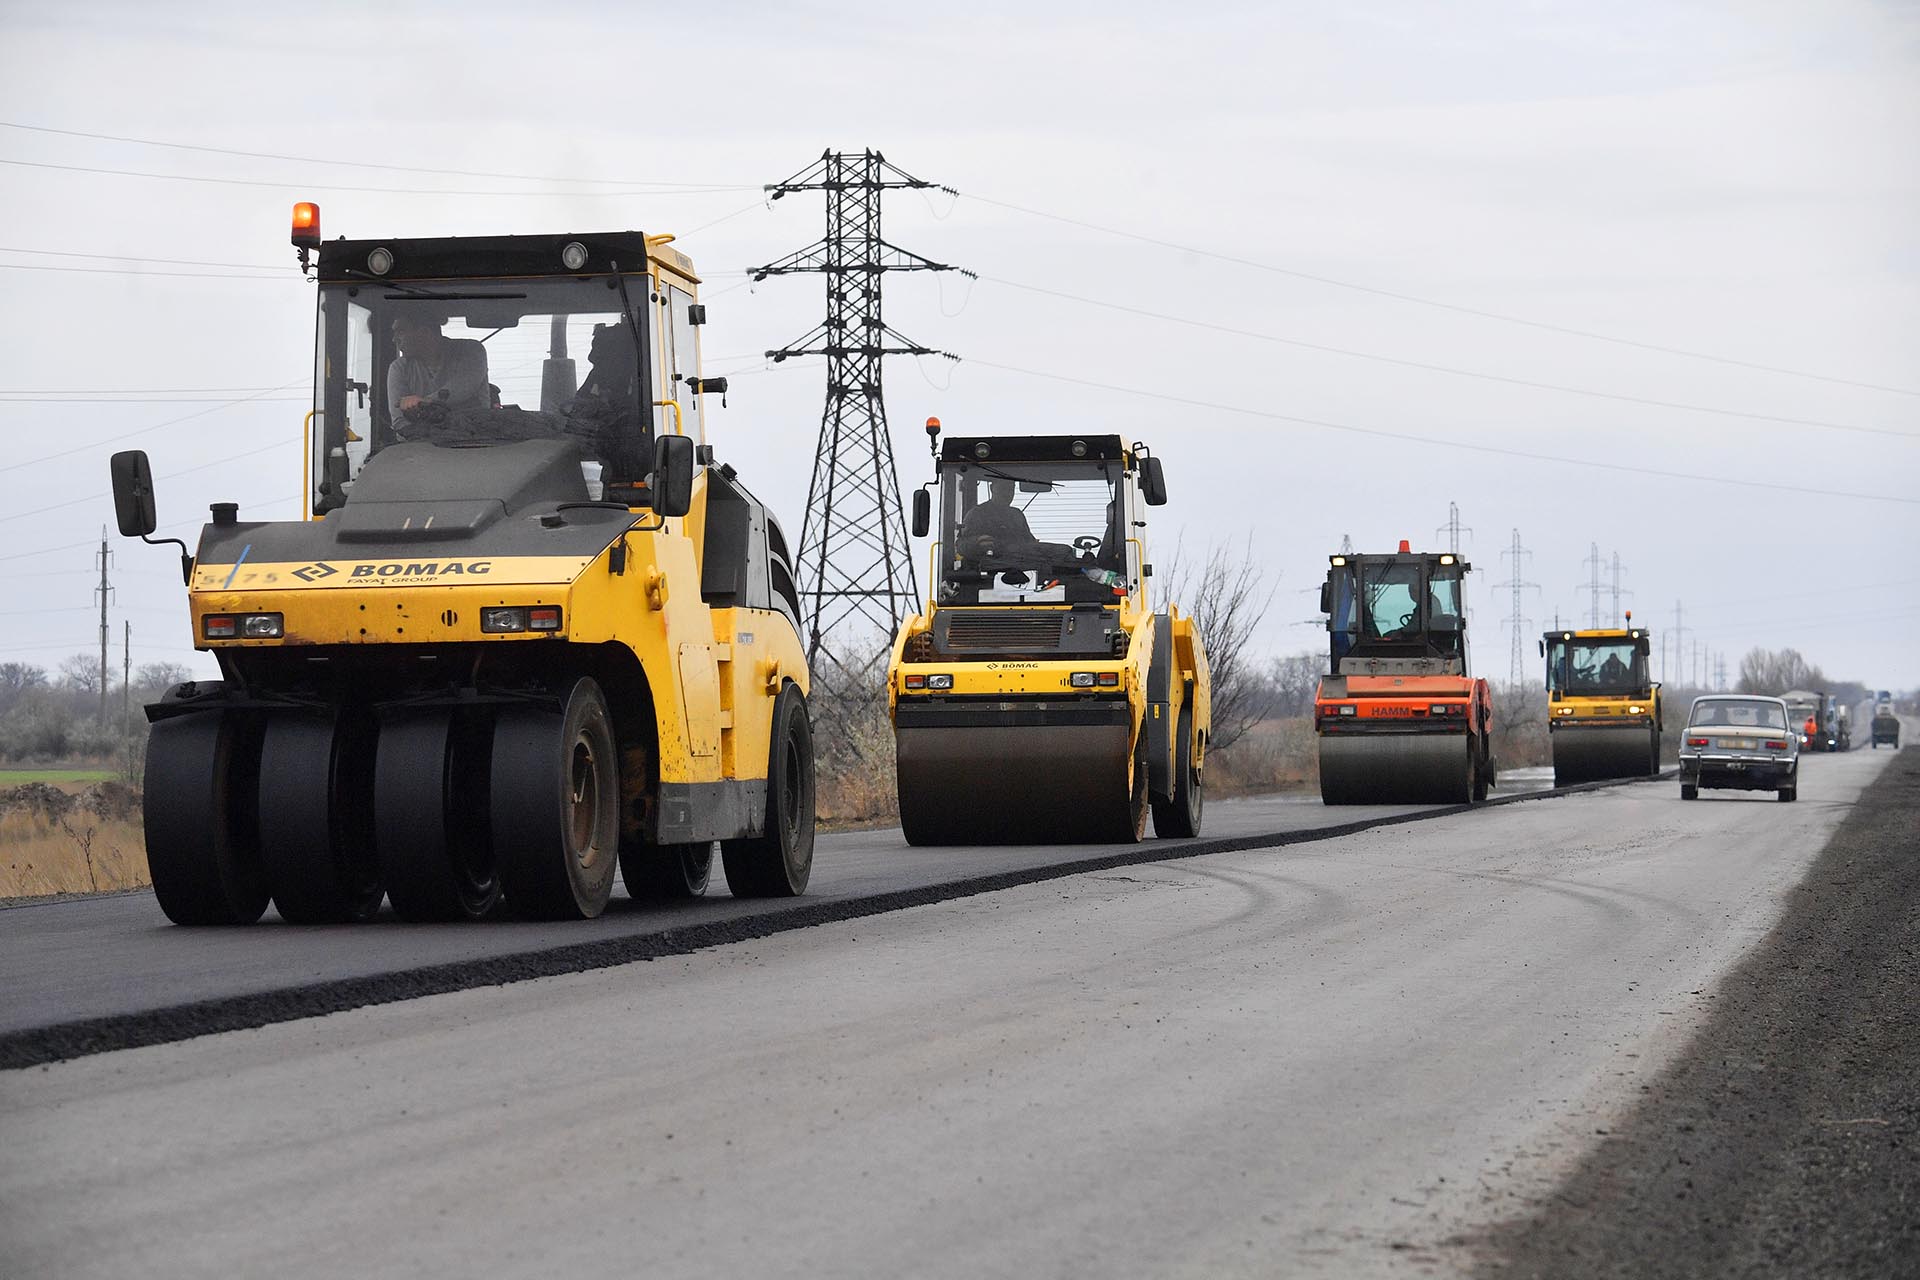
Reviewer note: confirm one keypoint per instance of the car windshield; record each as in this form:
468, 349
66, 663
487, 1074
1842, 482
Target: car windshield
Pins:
1737, 714
1595, 666
1014, 533
478, 362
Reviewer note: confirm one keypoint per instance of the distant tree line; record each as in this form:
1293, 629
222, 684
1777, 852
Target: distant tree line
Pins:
1775, 671
53, 715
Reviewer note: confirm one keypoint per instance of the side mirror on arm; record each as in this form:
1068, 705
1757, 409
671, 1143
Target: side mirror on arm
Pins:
671, 485
1326, 597
922, 512
1153, 482
133, 504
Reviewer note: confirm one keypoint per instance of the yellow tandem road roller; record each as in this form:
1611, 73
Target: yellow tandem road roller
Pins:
1040, 698
526, 631
1603, 710
1399, 719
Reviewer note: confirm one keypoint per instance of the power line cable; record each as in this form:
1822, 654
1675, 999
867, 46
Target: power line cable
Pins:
1435, 303
309, 184
140, 257
1463, 446
171, 475
129, 271
140, 431
353, 164
1441, 368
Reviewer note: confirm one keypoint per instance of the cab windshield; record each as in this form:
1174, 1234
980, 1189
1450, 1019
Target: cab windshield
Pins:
475, 362
1013, 533
1585, 667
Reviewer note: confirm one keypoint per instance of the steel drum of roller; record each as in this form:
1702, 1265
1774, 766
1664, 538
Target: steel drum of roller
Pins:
1018, 784
1594, 753
1396, 768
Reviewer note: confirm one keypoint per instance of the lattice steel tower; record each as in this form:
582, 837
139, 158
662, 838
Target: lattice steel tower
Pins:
1516, 669
855, 563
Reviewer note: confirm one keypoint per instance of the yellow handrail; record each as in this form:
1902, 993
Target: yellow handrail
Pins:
679, 421
306, 464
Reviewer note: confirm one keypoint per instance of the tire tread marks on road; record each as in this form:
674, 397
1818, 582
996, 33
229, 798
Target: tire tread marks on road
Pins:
38, 1046
1785, 1142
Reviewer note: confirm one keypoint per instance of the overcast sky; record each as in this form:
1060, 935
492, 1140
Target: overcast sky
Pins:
1739, 181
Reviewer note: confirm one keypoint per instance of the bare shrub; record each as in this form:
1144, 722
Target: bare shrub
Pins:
853, 735
1520, 726
1227, 596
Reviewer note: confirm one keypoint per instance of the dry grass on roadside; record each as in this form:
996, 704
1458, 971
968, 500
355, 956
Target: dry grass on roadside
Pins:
53, 842
1274, 755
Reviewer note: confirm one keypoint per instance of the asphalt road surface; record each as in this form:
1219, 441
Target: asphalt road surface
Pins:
1334, 1057
99, 960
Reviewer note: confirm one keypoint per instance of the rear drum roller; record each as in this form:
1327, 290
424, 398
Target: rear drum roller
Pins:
664, 872
556, 806
201, 828
430, 815
778, 862
1180, 815
1397, 768
316, 818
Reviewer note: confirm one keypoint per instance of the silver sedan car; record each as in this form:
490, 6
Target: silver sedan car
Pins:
1740, 741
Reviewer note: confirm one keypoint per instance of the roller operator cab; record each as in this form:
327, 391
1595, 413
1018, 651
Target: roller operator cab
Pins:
1603, 708
1040, 697
526, 631
1398, 717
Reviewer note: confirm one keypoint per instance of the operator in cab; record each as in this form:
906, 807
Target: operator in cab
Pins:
997, 518
432, 367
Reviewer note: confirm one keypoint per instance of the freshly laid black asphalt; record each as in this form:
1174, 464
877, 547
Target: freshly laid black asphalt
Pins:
1785, 1142
95, 975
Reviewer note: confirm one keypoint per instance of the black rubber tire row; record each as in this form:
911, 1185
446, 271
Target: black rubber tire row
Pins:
448, 813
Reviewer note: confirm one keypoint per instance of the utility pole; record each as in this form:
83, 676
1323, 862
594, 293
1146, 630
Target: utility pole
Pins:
855, 563
1516, 668
1617, 592
126, 692
1346, 544
105, 592
1720, 672
1593, 563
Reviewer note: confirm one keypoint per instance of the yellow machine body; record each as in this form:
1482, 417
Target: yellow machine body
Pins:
1021, 715
1603, 708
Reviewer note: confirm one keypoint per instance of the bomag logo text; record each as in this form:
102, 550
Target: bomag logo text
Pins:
422, 571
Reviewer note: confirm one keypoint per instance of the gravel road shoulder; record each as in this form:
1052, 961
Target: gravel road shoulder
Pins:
1786, 1139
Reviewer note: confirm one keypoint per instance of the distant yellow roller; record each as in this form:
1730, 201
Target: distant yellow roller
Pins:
1603, 711
1041, 698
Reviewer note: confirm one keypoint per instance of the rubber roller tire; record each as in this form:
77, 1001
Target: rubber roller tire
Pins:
202, 781
555, 803
666, 872
778, 862
1180, 815
430, 815
316, 818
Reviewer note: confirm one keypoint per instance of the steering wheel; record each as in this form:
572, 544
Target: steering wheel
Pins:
1406, 621
1087, 543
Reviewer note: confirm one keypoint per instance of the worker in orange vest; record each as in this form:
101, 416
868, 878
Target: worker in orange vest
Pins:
1813, 727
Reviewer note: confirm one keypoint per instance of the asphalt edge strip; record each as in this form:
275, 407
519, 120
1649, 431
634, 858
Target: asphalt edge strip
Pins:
40, 1046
